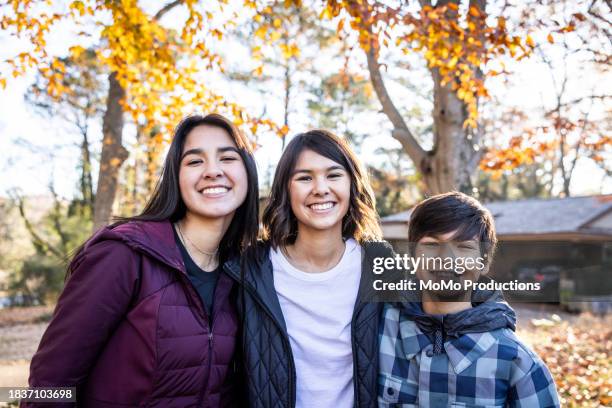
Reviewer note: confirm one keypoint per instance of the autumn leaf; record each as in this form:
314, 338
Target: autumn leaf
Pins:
326, 13
340, 25
76, 51
474, 11
568, 29
261, 32
579, 16
78, 6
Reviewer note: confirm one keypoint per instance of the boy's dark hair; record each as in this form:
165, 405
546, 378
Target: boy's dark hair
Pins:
452, 211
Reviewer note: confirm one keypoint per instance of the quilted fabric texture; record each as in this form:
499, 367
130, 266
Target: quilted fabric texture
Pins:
268, 360
130, 330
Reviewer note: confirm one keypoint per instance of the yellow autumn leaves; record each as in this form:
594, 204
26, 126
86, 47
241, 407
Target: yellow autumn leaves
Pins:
159, 67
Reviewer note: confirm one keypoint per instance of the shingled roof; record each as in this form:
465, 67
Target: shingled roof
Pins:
540, 216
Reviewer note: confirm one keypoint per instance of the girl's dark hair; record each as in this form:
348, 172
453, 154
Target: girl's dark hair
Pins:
361, 220
166, 202
453, 211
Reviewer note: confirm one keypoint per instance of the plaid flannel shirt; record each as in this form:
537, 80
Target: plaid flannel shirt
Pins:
490, 369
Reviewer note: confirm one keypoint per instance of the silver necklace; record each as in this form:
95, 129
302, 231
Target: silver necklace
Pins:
185, 238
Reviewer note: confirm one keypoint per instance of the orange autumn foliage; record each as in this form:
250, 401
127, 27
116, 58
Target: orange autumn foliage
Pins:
159, 68
456, 45
538, 142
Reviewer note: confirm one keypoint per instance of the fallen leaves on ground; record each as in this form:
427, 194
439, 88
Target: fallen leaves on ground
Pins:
578, 354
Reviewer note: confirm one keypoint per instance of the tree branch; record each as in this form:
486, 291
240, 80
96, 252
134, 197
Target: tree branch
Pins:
577, 100
45, 245
400, 129
580, 140
167, 8
55, 216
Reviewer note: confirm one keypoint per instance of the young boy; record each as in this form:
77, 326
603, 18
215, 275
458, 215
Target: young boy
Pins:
457, 347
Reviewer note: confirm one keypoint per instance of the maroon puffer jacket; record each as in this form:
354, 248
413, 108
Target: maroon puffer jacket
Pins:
130, 329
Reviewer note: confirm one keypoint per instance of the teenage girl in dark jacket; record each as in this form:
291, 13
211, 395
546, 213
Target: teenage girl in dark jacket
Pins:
310, 336
146, 317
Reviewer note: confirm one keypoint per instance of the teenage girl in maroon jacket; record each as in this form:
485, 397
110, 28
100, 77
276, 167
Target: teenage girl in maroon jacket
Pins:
146, 317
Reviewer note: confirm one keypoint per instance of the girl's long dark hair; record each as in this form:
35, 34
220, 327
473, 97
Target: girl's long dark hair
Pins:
361, 221
166, 203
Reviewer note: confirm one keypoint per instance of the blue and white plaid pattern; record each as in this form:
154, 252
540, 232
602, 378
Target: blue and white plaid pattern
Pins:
491, 369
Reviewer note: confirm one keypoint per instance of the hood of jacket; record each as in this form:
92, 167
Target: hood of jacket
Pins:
489, 312
152, 238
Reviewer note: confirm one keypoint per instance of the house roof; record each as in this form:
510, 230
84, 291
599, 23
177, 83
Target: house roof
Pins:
538, 216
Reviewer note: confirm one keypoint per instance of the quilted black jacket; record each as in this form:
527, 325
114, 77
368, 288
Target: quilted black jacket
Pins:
267, 357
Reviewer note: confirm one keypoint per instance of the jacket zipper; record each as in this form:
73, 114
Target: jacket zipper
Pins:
210, 323
210, 354
285, 340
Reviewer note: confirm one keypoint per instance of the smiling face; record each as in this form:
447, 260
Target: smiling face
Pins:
212, 176
319, 190
437, 250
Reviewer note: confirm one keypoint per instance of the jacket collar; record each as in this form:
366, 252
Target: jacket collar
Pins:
462, 351
258, 278
468, 334
153, 238
489, 312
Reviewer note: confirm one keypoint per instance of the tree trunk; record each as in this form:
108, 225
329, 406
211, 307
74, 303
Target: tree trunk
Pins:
562, 154
86, 179
453, 159
113, 154
286, 102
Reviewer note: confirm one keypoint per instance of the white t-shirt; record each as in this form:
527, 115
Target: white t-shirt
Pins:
318, 309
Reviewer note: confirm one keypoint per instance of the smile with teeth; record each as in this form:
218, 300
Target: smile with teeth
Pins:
215, 190
321, 206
